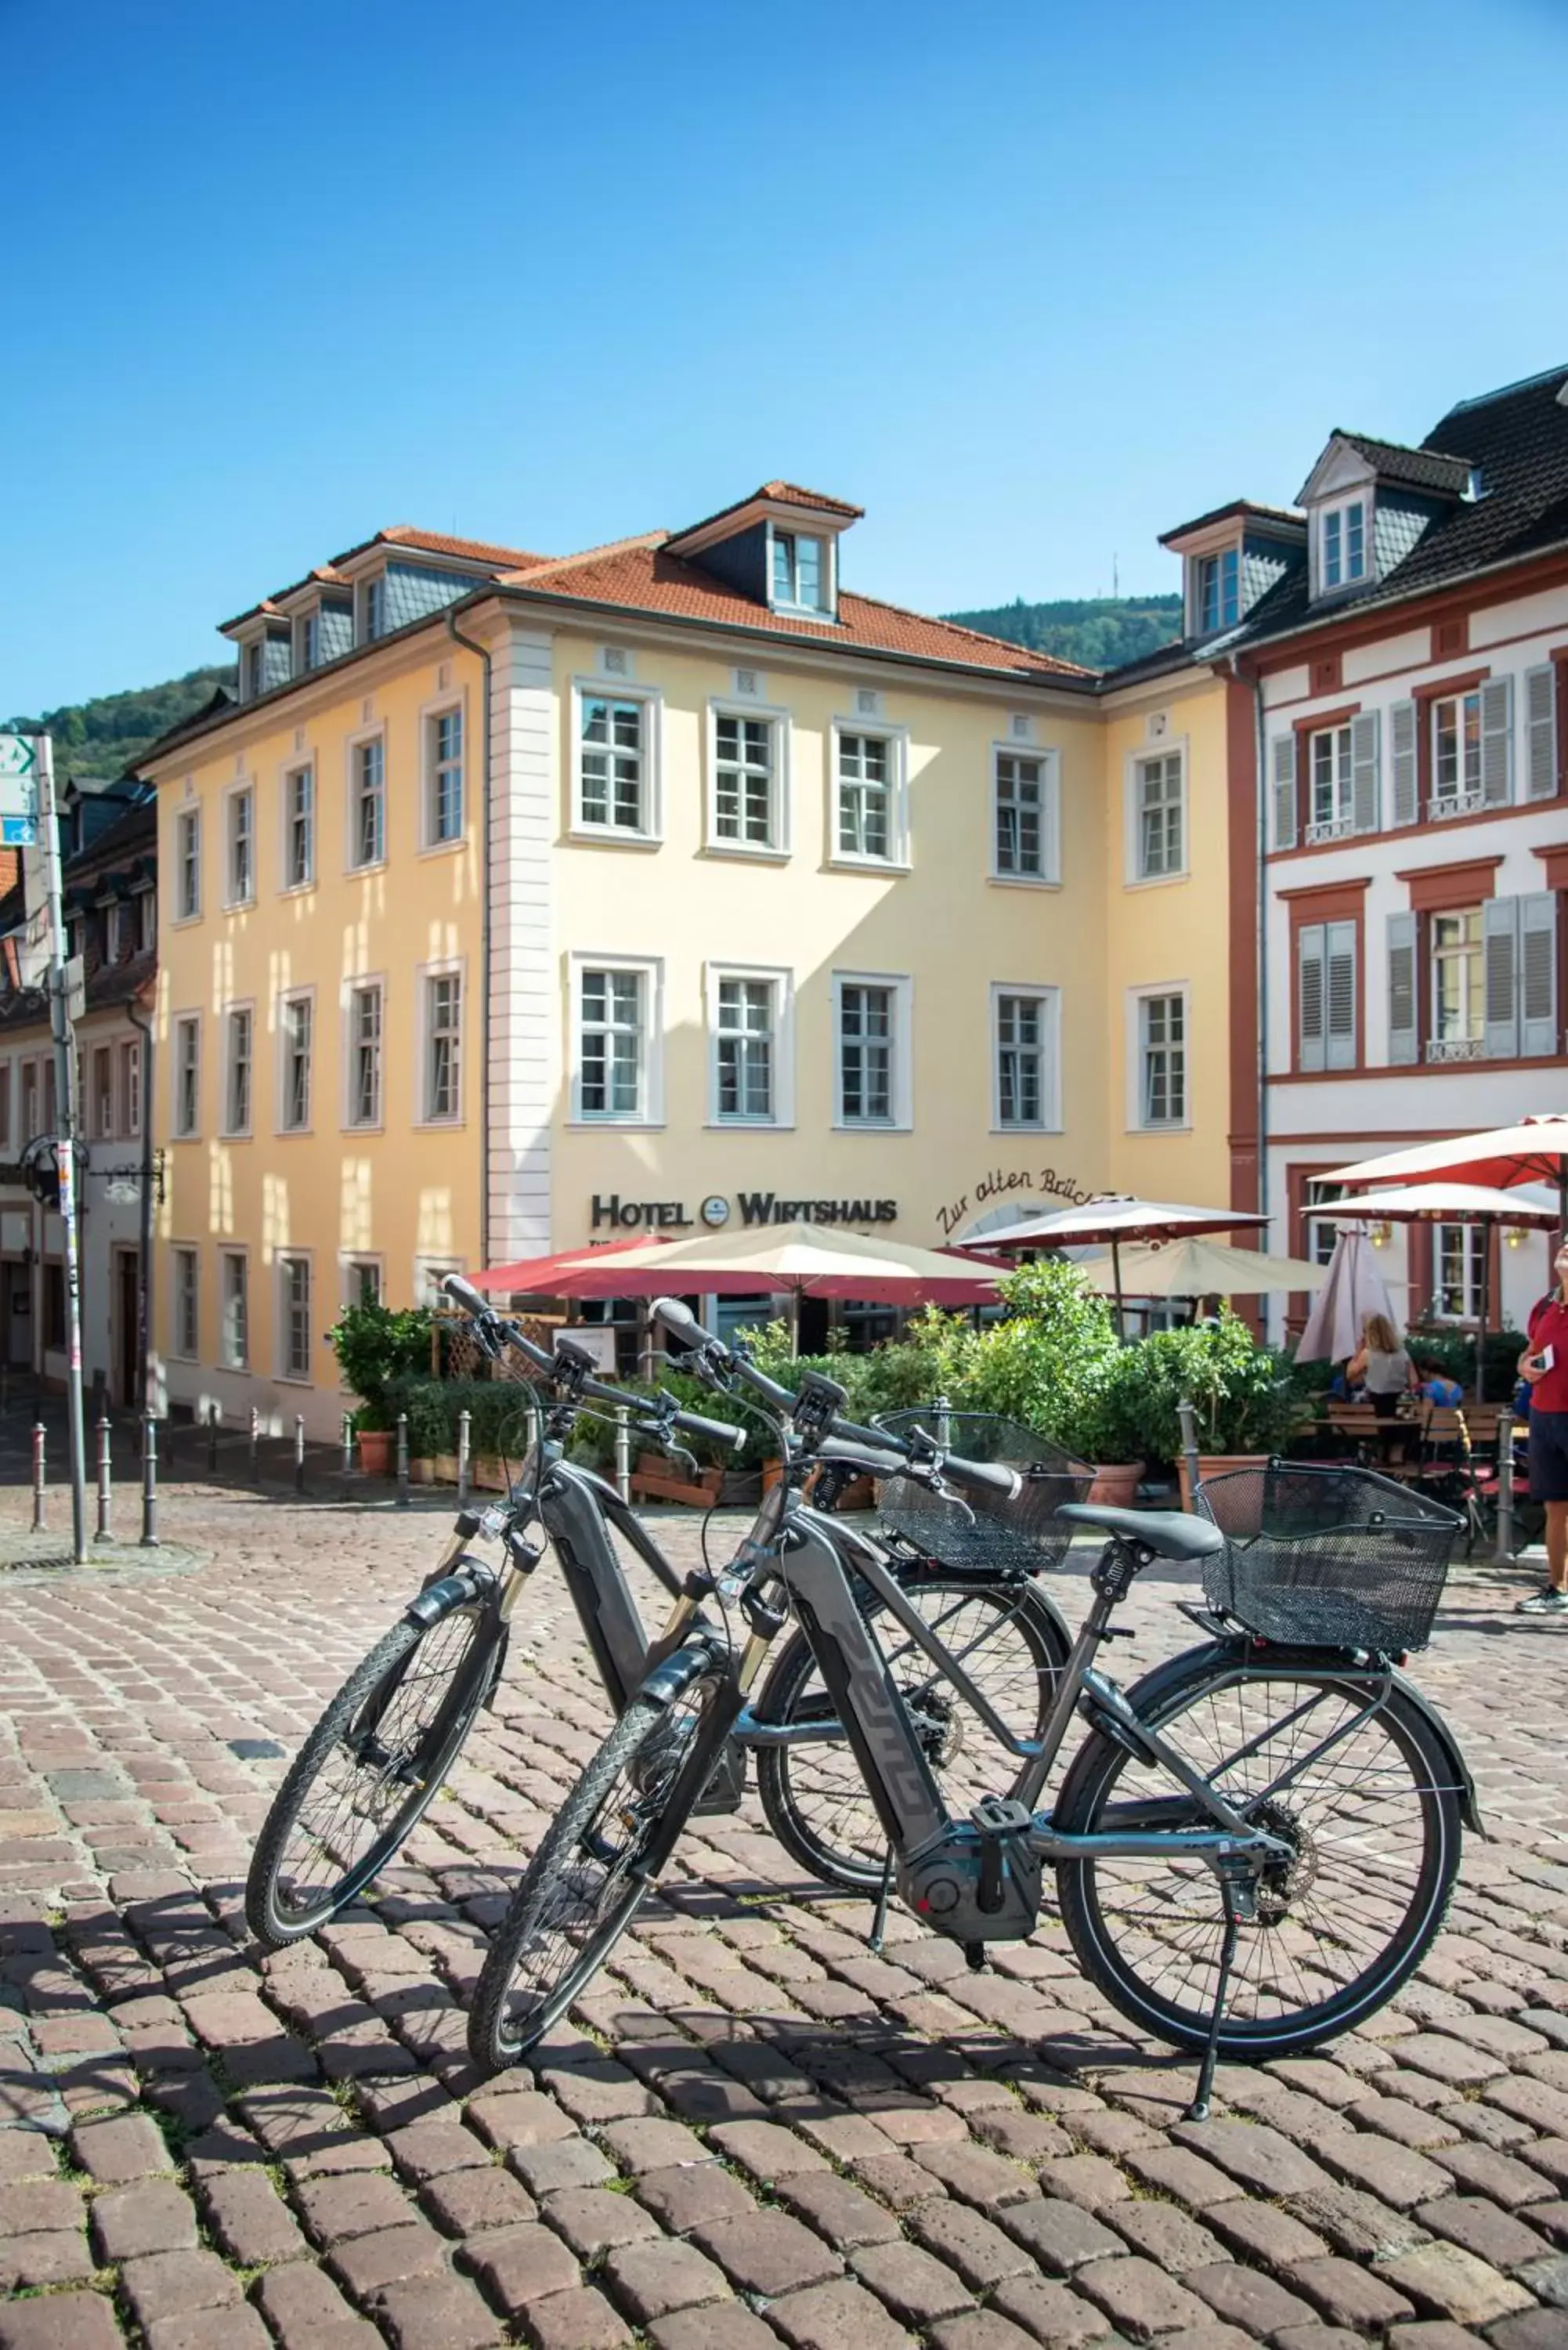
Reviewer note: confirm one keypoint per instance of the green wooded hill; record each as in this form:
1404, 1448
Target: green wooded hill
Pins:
1100, 632
102, 737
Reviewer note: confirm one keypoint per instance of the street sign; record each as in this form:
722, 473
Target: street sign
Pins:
19, 756
18, 831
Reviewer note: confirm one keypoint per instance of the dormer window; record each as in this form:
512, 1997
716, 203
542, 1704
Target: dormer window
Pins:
255, 662
1218, 591
310, 642
1344, 545
372, 609
800, 572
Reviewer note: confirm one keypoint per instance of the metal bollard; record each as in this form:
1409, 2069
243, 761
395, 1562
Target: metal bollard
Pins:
403, 1460
149, 1482
1189, 1420
105, 1475
348, 1444
40, 1438
299, 1453
255, 1442
214, 1416
1504, 1550
465, 1434
622, 1452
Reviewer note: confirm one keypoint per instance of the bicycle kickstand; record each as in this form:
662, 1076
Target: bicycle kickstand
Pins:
879, 1920
1197, 2111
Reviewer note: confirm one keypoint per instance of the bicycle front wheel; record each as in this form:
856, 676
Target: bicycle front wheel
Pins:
367, 1773
1362, 1793
585, 1883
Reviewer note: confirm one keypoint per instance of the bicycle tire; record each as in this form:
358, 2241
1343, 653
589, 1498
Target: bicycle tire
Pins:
813, 1795
499, 2036
275, 1922
1130, 1952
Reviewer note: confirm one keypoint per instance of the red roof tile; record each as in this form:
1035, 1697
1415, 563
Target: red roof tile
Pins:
438, 541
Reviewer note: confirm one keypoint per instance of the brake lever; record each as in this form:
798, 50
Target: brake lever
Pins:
945, 1493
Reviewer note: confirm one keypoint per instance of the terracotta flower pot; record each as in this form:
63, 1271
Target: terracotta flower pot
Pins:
1217, 1464
375, 1448
1116, 1484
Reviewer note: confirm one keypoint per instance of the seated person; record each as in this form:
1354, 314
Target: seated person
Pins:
1381, 1366
1436, 1386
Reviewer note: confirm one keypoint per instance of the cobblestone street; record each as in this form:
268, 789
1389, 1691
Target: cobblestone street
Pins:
763, 2133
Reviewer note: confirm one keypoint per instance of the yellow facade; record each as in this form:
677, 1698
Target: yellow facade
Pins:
934, 923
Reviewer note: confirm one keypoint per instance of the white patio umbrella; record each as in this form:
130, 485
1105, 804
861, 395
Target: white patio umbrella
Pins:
1114, 1219
1449, 1203
1352, 1289
1188, 1267
1533, 1152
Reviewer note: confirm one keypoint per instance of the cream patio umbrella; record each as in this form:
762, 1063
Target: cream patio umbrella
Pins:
1114, 1219
1195, 1267
1533, 1152
1448, 1204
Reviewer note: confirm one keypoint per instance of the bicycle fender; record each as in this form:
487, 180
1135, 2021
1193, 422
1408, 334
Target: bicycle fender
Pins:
473, 1580
1155, 1684
676, 1675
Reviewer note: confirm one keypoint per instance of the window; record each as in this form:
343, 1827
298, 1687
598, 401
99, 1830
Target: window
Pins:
31, 1128
299, 828
745, 1047
147, 920
1162, 1060
1328, 955
1322, 1236
368, 802
374, 608
1023, 795
443, 786
234, 1329
1458, 1029
254, 664
1456, 754
612, 1045
1345, 545
744, 777
186, 1335
310, 642
103, 1092
872, 1041
871, 797
1160, 794
614, 781
1459, 1265
1023, 1024
294, 1317
443, 1046
1331, 784
800, 571
1218, 591
5, 1105
130, 1090
298, 1022
242, 847
362, 1281
187, 1076
365, 1056
237, 1091
188, 854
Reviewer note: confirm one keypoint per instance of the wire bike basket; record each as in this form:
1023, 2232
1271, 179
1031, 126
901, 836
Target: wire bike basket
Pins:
1023, 1534
1323, 1556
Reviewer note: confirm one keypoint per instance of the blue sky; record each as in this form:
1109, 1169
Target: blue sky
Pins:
1030, 282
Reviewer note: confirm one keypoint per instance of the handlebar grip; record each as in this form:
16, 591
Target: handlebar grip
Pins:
982, 1476
873, 1459
678, 1316
463, 1293
717, 1431
880, 1440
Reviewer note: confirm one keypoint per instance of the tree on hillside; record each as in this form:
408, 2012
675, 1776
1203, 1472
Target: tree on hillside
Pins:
105, 736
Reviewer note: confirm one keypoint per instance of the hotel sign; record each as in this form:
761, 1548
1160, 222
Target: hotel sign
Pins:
612, 1212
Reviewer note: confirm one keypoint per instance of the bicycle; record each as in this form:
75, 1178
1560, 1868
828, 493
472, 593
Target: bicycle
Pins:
1306, 1797
379, 1755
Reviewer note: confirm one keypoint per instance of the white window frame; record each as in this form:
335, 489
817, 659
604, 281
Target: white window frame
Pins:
1471, 959
187, 825
1475, 1259
1466, 799
650, 1111
430, 716
235, 793
285, 1002
781, 983
364, 983
649, 833
288, 885
1340, 512
354, 745
286, 1258
146, 919
828, 575
354, 1262
1136, 998
1049, 1000
185, 1252
1218, 557
427, 973
1341, 822
901, 1059
181, 1022
306, 647
227, 1131
128, 1087
370, 597
428, 1272
103, 1098
777, 849
1173, 746
230, 1254
896, 738
1049, 761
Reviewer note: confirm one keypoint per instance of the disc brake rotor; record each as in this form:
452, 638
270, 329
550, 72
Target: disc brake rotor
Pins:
1283, 1882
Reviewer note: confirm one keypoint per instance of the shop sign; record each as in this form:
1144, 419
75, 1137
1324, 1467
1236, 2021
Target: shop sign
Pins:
612, 1212
995, 1184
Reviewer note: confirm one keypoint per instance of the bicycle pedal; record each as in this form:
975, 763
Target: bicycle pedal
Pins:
974, 1952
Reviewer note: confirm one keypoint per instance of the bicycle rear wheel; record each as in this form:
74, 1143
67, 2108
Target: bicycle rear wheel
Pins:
585, 1883
1362, 1793
367, 1773
1012, 1644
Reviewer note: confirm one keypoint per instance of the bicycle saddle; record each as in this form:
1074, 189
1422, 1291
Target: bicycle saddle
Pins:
1168, 1532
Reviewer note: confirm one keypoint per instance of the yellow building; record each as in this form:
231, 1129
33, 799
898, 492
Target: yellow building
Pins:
524, 901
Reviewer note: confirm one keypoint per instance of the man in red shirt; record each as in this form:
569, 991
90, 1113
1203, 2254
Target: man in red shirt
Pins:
1545, 1364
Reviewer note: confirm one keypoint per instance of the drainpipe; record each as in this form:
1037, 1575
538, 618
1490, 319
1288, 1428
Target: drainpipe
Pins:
144, 1283
1260, 942
473, 646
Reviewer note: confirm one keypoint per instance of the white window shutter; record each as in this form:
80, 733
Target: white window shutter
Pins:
1500, 949
1339, 992
1284, 781
1497, 742
1310, 1022
1364, 779
1538, 972
1540, 732
1404, 1039
1402, 760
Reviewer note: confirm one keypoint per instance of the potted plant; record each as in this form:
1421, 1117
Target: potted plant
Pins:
376, 1344
1246, 1403
1055, 1365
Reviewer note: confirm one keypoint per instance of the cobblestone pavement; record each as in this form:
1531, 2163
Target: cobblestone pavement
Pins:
761, 2133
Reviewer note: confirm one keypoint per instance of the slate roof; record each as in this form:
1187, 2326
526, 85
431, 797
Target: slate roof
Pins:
1412, 469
